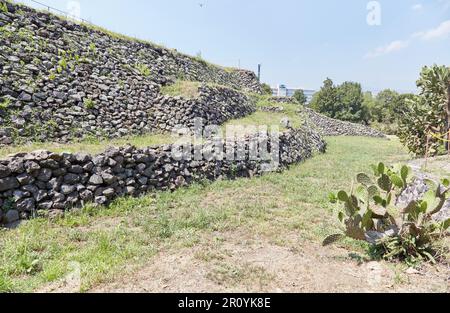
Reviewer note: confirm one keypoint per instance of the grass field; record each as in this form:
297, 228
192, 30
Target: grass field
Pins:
111, 242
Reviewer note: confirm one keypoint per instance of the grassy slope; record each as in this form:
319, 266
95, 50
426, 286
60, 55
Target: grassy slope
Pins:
111, 241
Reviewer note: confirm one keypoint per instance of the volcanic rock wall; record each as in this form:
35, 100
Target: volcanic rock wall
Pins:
60, 80
331, 127
48, 182
214, 105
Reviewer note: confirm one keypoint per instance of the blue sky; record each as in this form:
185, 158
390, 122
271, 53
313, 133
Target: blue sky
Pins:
298, 42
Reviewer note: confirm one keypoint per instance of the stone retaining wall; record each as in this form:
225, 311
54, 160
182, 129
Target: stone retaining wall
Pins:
272, 109
60, 81
288, 100
331, 127
52, 183
215, 105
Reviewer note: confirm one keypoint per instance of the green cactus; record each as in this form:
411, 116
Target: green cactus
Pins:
364, 179
366, 214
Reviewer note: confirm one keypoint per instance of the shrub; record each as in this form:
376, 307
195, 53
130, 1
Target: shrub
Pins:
425, 121
370, 214
267, 90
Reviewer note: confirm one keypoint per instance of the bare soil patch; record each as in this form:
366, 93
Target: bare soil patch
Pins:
237, 262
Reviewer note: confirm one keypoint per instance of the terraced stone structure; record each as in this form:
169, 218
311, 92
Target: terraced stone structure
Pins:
214, 106
60, 81
52, 183
331, 127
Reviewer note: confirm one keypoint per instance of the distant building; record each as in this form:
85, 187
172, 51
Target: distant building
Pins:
283, 91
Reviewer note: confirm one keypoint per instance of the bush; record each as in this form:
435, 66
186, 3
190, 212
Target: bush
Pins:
425, 119
369, 213
385, 128
267, 90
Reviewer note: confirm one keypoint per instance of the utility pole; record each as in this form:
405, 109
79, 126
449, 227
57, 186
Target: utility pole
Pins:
259, 72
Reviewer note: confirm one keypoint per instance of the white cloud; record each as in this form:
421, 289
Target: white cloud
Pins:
441, 31
392, 47
417, 7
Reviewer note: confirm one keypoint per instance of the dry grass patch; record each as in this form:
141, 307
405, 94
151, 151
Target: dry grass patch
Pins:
183, 88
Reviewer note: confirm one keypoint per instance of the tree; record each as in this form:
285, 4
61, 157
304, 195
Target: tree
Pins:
324, 101
299, 95
344, 102
267, 90
426, 121
385, 102
435, 84
351, 103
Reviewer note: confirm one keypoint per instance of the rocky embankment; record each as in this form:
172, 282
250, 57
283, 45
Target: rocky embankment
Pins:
214, 106
331, 127
51, 183
61, 81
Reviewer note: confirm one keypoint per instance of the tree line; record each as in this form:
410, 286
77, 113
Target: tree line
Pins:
420, 121
348, 102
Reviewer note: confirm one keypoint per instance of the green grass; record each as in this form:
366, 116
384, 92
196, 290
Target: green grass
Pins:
183, 88
260, 118
110, 241
92, 146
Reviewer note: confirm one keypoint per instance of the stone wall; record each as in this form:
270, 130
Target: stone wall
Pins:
214, 105
52, 183
331, 127
288, 100
272, 109
62, 81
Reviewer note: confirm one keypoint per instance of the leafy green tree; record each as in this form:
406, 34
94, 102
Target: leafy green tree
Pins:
426, 118
385, 102
300, 96
435, 86
325, 100
351, 103
344, 102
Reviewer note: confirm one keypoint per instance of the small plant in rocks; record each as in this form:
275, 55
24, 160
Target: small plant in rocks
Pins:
89, 103
5, 104
143, 69
370, 213
3, 7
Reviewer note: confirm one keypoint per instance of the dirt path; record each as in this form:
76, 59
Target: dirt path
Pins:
237, 263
